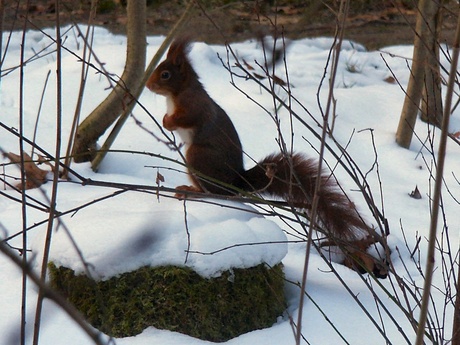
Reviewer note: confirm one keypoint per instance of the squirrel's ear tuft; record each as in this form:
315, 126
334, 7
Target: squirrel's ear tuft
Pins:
178, 50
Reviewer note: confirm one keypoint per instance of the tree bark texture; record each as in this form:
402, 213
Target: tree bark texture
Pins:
89, 131
424, 27
432, 97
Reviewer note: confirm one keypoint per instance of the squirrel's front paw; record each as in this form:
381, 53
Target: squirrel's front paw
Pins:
168, 123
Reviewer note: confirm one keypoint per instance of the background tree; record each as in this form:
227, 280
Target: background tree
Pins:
105, 114
425, 75
432, 109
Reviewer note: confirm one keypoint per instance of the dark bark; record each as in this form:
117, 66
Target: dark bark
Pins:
432, 98
425, 27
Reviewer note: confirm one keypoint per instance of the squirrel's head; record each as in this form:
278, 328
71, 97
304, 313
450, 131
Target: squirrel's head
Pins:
175, 73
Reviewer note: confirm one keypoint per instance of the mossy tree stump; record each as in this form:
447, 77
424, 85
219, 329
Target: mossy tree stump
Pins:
177, 299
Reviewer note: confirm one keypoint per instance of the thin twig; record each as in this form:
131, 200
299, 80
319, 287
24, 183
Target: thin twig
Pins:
437, 190
23, 180
187, 231
53, 202
50, 293
83, 78
344, 5
39, 110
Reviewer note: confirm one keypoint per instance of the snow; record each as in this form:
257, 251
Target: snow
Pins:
126, 230
157, 234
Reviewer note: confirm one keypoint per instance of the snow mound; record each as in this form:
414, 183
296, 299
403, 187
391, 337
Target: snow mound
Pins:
141, 231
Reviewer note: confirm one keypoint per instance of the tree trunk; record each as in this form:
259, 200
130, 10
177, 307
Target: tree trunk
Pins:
89, 131
424, 27
432, 97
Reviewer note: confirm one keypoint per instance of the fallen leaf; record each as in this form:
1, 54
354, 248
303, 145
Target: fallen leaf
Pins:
415, 193
35, 176
390, 80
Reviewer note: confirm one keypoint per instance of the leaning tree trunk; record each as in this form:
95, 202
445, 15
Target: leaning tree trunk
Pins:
89, 131
424, 28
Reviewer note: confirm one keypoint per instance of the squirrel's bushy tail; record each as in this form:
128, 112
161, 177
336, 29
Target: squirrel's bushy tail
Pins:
293, 178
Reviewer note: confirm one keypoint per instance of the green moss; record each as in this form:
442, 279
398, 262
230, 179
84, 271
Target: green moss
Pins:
177, 299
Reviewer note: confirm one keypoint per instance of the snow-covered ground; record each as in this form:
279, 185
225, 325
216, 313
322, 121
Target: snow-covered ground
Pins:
110, 232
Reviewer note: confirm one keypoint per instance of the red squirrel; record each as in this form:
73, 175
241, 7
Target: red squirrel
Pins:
214, 155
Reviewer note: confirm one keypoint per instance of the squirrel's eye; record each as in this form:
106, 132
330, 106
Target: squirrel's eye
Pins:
165, 75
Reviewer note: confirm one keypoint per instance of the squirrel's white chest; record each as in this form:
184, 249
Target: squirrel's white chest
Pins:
186, 134
170, 108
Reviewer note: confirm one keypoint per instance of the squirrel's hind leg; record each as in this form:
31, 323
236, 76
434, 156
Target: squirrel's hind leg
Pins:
187, 190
